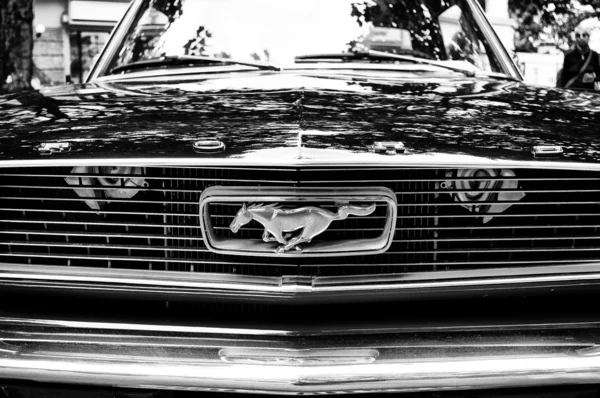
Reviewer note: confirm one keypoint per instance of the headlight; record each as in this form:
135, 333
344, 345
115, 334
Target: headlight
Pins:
122, 180
480, 195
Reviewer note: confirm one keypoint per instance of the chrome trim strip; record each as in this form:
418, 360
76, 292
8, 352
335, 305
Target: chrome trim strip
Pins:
345, 288
340, 330
365, 160
492, 36
171, 357
132, 327
139, 277
116, 38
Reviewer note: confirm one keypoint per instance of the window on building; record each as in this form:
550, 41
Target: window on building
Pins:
85, 48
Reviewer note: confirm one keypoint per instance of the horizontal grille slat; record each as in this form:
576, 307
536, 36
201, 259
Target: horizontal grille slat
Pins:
492, 228
471, 215
103, 246
441, 265
116, 176
87, 188
83, 223
98, 212
101, 200
176, 248
452, 179
126, 258
141, 189
90, 234
511, 250
504, 202
44, 220
500, 190
501, 239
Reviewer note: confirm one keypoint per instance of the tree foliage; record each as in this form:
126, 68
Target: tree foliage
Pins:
549, 21
16, 45
408, 15
198, 44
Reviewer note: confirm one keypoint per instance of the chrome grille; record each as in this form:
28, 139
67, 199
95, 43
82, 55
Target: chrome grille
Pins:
43, 221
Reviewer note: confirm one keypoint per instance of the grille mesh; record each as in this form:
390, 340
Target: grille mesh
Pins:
44, 221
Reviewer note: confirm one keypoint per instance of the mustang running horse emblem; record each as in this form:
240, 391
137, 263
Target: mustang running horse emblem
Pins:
280, 224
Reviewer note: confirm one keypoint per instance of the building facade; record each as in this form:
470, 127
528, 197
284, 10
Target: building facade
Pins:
69, 36
497, 13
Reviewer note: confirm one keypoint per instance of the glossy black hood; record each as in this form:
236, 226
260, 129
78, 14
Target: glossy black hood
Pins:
293, 117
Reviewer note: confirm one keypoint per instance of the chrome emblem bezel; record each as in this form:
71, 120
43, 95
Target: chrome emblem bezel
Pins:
283, 195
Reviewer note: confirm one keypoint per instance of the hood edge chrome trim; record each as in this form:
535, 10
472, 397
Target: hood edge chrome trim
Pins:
225, 162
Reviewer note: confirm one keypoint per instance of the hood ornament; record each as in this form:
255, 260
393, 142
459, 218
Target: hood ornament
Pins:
280, 224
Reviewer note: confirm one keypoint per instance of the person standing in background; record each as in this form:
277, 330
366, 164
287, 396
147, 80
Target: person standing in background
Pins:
581, 67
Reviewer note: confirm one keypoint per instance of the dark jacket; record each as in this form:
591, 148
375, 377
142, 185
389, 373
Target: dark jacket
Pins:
573, 62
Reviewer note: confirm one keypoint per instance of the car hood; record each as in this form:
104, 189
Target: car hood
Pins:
303, 117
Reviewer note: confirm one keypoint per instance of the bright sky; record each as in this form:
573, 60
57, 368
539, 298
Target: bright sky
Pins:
285, 28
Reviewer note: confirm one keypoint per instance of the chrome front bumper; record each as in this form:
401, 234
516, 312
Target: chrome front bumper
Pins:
297, 362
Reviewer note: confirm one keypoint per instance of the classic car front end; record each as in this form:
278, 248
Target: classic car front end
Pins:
393, 213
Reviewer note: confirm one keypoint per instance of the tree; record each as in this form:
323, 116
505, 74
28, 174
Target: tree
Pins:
16, 45
403, 14
553, 21
198, 44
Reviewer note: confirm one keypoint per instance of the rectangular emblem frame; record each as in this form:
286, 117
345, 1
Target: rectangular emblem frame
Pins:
281, 195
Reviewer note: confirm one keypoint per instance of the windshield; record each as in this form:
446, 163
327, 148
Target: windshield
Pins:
287, 32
